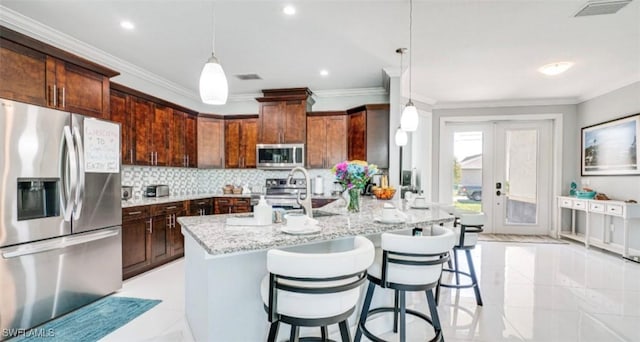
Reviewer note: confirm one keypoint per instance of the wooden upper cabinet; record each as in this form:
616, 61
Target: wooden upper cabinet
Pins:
191, 140
161, 135
23, 74
240, 137
178, 156
210, 142
142, 115
369, 134
282, 115
120, 113
40, 74
327, 140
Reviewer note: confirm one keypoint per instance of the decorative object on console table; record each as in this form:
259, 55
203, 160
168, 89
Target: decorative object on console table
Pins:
611, 147
353, 176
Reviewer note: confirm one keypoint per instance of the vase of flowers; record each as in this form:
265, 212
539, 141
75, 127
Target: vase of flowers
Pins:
353, 176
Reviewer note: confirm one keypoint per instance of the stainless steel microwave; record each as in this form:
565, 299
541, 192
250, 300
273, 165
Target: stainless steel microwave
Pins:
279, 156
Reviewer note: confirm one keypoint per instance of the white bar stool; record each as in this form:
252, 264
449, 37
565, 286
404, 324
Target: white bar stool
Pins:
466, 238
407, 263
314, 289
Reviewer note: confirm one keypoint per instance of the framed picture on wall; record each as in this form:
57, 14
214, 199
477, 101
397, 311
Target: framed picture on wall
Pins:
611, 148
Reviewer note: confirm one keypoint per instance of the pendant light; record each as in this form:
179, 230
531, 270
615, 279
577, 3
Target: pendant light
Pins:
213, 82
401, 137
409, 118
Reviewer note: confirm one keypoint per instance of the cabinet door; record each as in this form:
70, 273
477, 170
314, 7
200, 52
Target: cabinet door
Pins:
336, 140
178, 156
295, 123
23, 74
210, 143
136, 251
316, 136
120, 113
191, 138
271, 117
232, 143
142, 114
160, 239
249, 137
82, 91
160, 133
177, 239
222, 205
357, 136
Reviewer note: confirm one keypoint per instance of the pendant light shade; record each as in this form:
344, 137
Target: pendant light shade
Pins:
213, 83
409, 118
401, 137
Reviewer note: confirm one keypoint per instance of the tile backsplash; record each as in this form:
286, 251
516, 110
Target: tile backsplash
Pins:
185, 181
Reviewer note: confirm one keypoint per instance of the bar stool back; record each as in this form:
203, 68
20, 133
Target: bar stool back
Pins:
314, 289
407, 263
466, 238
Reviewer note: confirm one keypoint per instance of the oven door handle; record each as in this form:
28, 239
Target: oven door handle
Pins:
50, 245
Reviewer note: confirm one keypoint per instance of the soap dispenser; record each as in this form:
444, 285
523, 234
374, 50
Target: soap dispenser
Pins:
263, 211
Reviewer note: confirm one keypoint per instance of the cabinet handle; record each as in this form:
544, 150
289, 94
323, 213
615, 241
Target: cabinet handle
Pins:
169, 221
171, 207
229, 210
131, 155
174, 220
187, 161
151, 157
150, 226
55, 96
135, 213
63, 102
156, 154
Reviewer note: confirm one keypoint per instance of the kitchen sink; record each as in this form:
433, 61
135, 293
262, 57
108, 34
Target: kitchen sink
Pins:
322, 213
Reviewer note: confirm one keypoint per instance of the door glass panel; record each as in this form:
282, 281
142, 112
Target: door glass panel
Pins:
467, 170
521, 183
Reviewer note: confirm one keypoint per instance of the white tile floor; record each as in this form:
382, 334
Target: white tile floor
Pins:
531, 292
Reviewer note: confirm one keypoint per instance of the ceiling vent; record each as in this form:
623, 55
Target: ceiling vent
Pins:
598, 7
248, 77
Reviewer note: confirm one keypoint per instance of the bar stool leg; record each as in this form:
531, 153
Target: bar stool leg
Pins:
403, 317
365, 310
396, 311
435, 319
295, 334
273, 331
438, 290
344, 331
472, 271
455, 266
324, 333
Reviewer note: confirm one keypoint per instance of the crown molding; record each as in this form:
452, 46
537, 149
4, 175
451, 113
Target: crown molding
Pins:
508, 103
350, 92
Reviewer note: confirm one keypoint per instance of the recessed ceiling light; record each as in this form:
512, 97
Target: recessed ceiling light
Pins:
324, 72
127, 25
289, 10
557, 68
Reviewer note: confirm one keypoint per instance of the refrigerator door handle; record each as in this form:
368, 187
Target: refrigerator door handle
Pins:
50, 245
67, 173
79, 150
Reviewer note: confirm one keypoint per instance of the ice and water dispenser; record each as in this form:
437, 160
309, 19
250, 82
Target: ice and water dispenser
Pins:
38, 198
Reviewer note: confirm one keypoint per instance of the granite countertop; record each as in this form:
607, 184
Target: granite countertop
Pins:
136, 202
217, 238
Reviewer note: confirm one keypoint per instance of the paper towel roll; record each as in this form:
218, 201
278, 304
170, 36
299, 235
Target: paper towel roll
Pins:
318, 186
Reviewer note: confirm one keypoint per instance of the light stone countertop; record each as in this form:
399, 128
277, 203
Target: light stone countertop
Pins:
217, 238
141, 201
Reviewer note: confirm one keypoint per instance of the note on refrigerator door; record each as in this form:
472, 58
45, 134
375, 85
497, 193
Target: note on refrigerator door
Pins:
101, 146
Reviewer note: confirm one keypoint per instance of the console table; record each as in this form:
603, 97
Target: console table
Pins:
629, 212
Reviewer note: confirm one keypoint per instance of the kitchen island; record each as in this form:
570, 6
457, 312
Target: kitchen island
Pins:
225, 264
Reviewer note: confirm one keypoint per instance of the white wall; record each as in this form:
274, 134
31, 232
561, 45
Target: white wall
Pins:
622, 102
570, 163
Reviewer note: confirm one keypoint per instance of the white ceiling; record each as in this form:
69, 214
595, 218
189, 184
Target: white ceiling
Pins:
464, 51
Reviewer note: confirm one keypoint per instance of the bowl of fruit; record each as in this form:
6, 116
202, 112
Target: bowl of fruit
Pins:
383, 193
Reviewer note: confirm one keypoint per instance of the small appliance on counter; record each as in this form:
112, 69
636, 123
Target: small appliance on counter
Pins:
126, 191
156, 190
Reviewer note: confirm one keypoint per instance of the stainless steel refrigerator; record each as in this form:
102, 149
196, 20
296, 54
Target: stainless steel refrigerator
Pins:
60, 213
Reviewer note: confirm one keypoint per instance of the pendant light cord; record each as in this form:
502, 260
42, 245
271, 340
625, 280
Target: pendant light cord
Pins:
213, 27
410, 45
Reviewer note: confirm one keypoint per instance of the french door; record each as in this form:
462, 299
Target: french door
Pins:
501, 168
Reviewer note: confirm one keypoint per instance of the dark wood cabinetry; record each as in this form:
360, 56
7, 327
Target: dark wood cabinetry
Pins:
231, 205
201, 207
368, 134
240, 136
183, 140
161, 135
210, 142
136, 241
282, 115
120, 104
37, 73
327, 139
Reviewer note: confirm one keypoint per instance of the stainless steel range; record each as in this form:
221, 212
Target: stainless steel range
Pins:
281, 194
60, 214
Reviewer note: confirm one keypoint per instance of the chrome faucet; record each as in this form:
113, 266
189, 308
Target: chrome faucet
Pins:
306, 202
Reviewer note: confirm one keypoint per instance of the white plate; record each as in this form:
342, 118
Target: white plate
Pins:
296, 231
392, 220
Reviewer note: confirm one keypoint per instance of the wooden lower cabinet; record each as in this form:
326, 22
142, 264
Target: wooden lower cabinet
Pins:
230, 205
201, 207
136, 241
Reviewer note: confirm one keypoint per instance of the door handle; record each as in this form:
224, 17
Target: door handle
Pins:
50, 245
80, 186
498, 193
